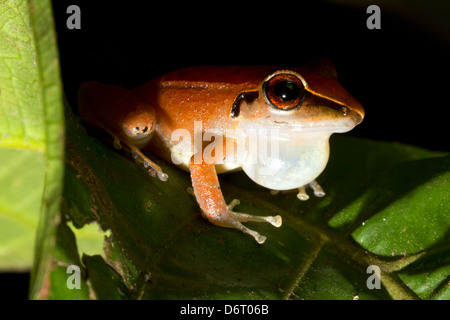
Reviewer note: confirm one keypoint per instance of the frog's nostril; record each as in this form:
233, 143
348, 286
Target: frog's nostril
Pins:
138, 130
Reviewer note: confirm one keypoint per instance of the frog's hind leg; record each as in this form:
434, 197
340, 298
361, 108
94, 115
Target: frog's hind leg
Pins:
213, 206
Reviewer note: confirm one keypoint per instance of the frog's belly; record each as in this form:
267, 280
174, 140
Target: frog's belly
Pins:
181, 155
182, 161
228, 167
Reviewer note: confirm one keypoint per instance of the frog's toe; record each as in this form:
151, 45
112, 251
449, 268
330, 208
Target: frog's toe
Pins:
317, 189
258, 237
276, 221
302, 195
237, 218
233, 204
163, 176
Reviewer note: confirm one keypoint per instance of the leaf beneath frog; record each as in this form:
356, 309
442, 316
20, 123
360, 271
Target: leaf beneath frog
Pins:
162, 248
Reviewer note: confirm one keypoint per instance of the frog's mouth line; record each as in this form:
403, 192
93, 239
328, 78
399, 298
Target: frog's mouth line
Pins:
338, 125
139, 142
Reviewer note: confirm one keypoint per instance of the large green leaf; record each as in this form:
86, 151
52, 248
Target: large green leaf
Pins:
31, 127
31, 145
386, 205
22, 139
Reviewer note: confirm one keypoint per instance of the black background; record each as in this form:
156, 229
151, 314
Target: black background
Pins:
399, 73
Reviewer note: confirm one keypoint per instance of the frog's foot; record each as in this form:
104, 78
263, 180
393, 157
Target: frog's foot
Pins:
301, 192
237, 217
318, 191
154, 169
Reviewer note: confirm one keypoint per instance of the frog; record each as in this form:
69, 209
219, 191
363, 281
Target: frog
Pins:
292, 111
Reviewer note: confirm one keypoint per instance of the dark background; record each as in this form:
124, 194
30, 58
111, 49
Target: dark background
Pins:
399, 73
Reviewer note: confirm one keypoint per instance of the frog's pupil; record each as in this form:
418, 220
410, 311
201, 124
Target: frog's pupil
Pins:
287, 90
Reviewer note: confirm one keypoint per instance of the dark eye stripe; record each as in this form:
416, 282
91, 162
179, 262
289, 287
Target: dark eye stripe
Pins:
247, 96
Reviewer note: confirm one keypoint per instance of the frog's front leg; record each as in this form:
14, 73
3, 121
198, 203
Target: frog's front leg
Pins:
207, 191
153, 169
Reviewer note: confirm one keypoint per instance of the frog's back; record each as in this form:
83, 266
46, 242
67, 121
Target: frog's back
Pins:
216, 76
204, 93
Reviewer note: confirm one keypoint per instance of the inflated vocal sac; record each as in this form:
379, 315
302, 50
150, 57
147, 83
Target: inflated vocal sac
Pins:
284, 158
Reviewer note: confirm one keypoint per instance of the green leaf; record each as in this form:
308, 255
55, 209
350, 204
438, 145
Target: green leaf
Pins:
31, 132
22, 138
22, 170
106, 283
64, 254
410, 217
161, 248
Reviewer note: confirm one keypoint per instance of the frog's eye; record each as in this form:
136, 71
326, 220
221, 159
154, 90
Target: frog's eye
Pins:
284, 91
